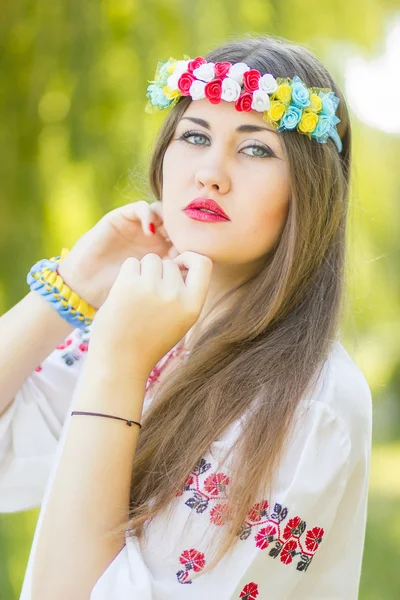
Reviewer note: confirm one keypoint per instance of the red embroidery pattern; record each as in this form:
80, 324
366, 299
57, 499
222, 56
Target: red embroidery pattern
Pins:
286, 539
287, 544
65, 344
157, 370
192, 560
214, 488
76, 345
249, 592
75, 354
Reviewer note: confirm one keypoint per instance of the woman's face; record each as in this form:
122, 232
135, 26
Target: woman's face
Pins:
245, 171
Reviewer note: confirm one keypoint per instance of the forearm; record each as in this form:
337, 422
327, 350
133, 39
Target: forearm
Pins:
91, 491
29, 332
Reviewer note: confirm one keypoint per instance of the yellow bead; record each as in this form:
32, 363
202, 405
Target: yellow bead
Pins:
74, 300
52, 277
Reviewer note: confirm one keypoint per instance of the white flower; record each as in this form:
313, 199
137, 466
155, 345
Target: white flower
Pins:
260, 101
205, 72
267, 83
196, 90
230, 90
180, 67
236, 72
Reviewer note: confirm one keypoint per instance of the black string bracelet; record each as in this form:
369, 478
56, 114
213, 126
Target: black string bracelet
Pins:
77, 412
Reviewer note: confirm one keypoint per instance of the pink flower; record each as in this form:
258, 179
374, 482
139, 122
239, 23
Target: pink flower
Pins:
219, 514
257, 511
64, 344
288, 552
291, 527
213, 91
184, 83
251, 79
265, 536
250, 591
314, 538
216, 483
221, 69
195, 62
244, 101
193, 559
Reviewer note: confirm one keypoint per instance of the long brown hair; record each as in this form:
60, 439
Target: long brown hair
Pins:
273, 342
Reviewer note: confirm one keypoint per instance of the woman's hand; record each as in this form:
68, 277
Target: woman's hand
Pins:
150, 308
94, 262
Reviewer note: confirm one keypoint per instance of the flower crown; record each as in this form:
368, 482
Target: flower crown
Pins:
285, 103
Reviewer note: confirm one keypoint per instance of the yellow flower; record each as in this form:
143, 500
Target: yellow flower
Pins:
308, 121
171, 67
284, 93
315, 103
275, 110
170, 94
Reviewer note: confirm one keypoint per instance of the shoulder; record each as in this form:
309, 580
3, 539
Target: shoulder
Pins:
350, 392
343, 392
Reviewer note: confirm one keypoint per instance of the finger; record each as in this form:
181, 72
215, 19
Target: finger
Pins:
147, 216
151, 267
131, 265
198, 276
173, 252
131, 210
161, 229
127, 272
140, 210
173, 274
157, 208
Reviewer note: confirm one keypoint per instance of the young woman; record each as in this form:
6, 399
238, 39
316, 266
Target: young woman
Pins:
220, 337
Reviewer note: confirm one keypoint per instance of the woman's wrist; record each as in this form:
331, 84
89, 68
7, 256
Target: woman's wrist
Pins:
108, 352
110, 389
78, 278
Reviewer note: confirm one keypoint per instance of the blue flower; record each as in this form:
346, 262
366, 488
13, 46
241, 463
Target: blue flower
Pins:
329, 103
327, 120
157, 96
291, 118
300, 94
322, 128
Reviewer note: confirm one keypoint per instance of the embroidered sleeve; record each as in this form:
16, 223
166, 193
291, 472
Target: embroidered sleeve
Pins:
292, 536
31, 426
283, 541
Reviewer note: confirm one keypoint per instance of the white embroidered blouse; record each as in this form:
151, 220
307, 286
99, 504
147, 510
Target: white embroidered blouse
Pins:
305, 544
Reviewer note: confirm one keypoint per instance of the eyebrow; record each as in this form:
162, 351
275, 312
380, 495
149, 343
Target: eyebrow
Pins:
241, 129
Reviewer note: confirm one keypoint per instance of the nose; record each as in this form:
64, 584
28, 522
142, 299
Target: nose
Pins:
213, 177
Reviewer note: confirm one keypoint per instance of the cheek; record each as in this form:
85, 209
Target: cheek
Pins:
169, 161
265, 224
172, 172
166, 168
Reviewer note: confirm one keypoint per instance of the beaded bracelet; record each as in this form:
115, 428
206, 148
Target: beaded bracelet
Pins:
45, 279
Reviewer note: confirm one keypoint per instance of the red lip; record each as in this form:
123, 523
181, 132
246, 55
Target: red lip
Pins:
200, 215
208, 204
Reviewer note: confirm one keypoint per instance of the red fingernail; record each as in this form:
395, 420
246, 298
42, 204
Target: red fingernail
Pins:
152, 228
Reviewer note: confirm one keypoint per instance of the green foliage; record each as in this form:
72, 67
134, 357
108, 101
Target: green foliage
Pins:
75, 142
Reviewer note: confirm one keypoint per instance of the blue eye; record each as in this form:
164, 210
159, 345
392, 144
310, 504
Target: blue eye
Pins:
188, 134
266, 151
194, 134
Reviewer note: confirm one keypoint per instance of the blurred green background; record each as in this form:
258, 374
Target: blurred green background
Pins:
75, 143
